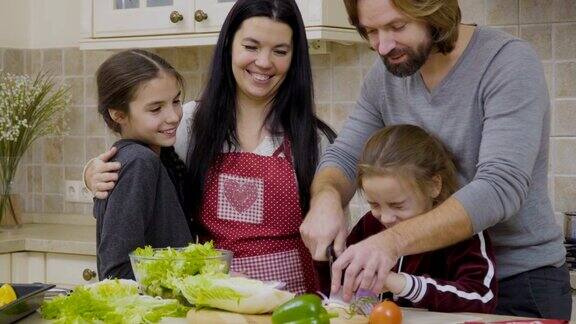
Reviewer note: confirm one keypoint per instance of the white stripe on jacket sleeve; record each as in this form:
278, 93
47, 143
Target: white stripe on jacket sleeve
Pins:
416, 286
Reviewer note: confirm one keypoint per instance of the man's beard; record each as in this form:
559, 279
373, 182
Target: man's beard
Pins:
413, 62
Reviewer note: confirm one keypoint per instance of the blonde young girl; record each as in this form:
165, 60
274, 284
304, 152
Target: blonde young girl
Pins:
139, 98
404, 172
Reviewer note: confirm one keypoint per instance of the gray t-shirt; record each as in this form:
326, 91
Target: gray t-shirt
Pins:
492, 111
142, 209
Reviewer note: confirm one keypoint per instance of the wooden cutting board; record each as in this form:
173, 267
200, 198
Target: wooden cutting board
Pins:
216, 316
410, 316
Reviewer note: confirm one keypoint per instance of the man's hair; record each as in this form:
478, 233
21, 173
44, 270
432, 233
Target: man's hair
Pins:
442, 17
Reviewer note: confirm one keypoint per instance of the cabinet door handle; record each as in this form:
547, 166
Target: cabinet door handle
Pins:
175, 16
200, 15
88, 274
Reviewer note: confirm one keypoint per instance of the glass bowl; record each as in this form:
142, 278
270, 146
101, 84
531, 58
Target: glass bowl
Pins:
156, 275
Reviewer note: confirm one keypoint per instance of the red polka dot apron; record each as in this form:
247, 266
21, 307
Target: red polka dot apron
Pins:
251, 206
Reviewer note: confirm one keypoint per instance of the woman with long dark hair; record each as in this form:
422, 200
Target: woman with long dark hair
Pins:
253, 144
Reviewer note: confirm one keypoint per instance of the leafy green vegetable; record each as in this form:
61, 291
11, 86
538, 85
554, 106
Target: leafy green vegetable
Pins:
235, 294
156, 269
110, 301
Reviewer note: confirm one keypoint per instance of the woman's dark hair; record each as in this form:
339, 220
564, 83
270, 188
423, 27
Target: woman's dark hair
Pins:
120, 76
292, 109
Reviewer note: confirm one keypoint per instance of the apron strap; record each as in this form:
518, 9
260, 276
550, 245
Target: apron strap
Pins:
284, 148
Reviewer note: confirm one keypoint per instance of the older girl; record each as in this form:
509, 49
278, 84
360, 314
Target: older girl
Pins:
139, 98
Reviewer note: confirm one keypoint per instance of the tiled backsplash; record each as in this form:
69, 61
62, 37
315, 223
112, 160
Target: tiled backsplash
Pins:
550, 25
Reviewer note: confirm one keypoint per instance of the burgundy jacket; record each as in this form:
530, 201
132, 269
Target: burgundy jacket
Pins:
459, 278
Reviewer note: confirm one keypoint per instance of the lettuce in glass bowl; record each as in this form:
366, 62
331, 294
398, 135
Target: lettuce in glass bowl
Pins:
157, 269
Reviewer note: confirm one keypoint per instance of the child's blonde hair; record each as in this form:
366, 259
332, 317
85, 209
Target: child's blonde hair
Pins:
414, 155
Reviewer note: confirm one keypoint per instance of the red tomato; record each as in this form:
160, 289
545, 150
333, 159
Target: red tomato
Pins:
387, 312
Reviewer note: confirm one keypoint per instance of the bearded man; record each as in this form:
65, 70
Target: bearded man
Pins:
481, 91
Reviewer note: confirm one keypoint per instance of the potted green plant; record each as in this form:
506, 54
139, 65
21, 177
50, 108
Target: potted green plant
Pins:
30, 107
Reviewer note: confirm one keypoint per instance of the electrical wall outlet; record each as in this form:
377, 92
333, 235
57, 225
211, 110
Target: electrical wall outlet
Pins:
75, 191
85, 194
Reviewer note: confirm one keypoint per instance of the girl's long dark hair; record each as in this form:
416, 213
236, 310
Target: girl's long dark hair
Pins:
292, 109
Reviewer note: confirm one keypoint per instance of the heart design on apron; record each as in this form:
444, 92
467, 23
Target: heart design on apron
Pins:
240, 196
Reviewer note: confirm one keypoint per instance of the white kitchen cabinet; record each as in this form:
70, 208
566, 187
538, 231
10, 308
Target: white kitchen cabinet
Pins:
5, 268
69, 270
209, 15
63, 270
114, 18
113, 24
28, 267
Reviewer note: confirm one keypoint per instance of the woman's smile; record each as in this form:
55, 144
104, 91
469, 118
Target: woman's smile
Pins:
259, 78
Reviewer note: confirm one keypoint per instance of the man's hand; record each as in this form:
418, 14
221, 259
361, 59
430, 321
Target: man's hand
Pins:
325, 223
101, 175
366, 265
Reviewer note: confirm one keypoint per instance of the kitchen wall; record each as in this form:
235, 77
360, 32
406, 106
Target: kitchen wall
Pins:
550, 25
39, 23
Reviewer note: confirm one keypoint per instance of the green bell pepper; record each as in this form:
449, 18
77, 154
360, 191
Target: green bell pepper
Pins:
303, 309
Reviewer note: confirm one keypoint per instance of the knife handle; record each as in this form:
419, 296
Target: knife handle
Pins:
330, 254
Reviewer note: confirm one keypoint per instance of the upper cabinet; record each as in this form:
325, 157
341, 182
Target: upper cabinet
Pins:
109, 24
113, 18
209, 15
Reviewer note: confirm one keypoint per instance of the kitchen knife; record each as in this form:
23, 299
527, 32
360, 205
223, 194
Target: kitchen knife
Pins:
331, 255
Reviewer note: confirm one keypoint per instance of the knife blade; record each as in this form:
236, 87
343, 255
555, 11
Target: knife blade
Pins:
331, 255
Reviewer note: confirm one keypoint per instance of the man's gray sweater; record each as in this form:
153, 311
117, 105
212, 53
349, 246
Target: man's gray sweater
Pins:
492, 111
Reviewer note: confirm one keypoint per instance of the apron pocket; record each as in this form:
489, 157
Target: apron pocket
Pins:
240, 199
